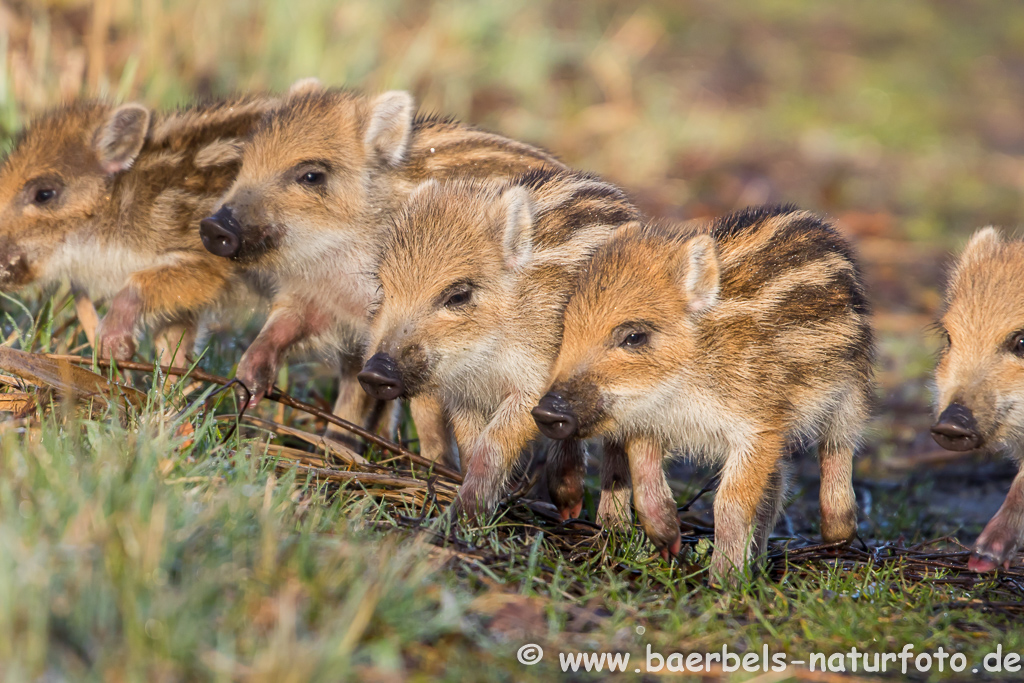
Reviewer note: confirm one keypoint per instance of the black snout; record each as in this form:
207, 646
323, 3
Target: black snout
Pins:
381, 377
956, 429
221, 233
554, 417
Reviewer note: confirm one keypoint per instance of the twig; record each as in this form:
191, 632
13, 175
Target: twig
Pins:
279, 397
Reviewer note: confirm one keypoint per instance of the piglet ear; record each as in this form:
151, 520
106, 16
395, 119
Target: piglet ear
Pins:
304, 86
700, 274
390, 126
517, 240
119, 140
983, 243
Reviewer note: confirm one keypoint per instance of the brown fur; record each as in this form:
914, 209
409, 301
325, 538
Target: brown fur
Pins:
507, 255
313, 244
733, 340
130, 186
982, 368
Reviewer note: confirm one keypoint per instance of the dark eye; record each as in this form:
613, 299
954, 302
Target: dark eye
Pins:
1017, 344
44, 195
458, 297
634, 340
312, 178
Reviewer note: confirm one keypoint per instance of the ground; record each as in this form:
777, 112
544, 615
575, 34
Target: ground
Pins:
134, 548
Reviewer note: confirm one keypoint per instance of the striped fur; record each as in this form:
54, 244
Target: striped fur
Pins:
733, 340
124, 227
982, 369
511, 251
314, 245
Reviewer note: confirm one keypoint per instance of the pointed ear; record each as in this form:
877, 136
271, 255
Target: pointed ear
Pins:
517, 240
119, 140
982, 243
390, 127
700, 274
304, 86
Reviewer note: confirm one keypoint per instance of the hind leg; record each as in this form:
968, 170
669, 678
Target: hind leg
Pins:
566, 466
835, 458
615, 511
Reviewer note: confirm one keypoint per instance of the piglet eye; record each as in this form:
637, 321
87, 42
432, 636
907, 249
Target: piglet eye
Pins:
634, 340
1017, 344
458, 297
44, 195
312, 178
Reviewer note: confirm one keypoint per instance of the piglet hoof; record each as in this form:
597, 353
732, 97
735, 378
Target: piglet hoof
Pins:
469, 507
567, 495
673, 549
996, 546
842, 528
981, 564
116, 344
257, 377
573, 512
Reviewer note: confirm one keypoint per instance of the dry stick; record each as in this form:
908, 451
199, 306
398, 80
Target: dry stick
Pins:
282, 398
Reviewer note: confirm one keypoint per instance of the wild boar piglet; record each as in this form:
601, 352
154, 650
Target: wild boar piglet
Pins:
980, 376
109, 197
736, 341
473, 281
320, 181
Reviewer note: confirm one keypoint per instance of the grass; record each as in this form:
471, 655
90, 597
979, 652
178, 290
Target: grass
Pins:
132, 550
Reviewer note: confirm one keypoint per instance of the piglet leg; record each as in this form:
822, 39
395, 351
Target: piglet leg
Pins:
116, 332
258, 367
434, 429
168, 293
86, 312
566, 467
747, 479
493, 455
655, 505
1002, 535
615, 511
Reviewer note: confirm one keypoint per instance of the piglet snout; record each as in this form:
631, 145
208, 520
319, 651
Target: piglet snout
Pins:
554, 417
956, 429
221, 233
381, 377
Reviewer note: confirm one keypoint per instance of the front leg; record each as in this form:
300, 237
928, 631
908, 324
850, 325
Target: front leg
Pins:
493, 455
1002, 535
746, 480
566, 467
655, 505
168, 292
287, 325
116, 332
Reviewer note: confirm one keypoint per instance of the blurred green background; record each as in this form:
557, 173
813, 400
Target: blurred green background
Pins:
911, 111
